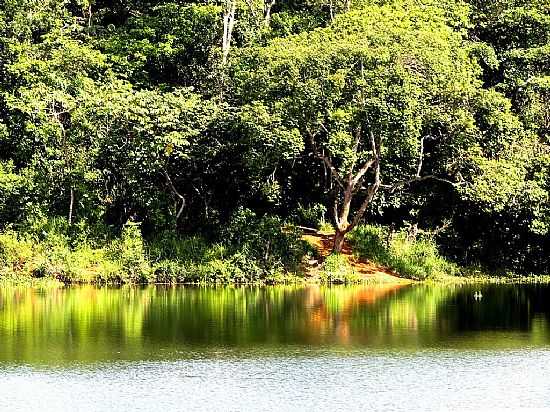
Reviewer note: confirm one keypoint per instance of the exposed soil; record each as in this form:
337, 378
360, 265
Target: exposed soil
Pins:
363, 267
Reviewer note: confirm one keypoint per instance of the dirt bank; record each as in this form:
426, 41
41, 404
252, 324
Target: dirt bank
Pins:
366, 269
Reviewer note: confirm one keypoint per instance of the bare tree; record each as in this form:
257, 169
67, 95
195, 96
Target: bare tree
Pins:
349, 185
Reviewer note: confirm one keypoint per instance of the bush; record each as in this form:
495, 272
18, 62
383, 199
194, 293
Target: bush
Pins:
15, 189
129, 252
413, 258
255, 249
312, 216
266, 240
17, 255
167, 245
24, 256
336, 269
44, 229
326, 227
370, 241
194, 259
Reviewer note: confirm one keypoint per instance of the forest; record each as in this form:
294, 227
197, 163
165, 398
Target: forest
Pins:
186, 141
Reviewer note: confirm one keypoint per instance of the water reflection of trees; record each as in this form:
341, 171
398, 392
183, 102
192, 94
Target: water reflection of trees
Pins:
94, 323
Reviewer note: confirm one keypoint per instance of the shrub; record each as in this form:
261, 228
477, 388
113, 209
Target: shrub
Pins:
254, 249
266, 240
336, 269
17, 255
169, 271
45, 229
23, 255
129, 252
86, 264
15, 188
167, 245
413, 258
326, 227
311, 216
370, 241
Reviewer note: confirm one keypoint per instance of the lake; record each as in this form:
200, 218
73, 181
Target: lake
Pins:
386, 347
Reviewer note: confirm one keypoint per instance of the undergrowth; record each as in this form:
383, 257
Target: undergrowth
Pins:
415, 258
250, 249
337, 269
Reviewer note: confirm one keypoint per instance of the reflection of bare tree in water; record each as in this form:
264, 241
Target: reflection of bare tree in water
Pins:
330, 314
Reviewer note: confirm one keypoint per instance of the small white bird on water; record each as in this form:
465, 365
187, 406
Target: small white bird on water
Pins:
478, 295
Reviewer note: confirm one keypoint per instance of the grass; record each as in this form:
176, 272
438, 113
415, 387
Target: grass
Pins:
419, 259
54, 252
468, 277
51, 256
337, 269
416, 259
129, 259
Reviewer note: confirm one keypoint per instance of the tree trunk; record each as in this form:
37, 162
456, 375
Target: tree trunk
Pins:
339, 238
228, 23
71, 205
342, 225
268, 4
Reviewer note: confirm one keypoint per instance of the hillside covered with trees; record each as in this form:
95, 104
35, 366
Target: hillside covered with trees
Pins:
182, 141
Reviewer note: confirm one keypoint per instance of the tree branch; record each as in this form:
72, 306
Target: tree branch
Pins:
371, 192
355, 148
268, 4
373, 188
418, 177
368, 164
326, 160
228, 23
420, 158
175, 191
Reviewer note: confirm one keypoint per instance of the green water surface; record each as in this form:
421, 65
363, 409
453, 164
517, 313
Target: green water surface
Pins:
90, 324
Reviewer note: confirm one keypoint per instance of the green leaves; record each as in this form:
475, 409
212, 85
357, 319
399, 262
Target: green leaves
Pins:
169, 44
395, 70
515, 182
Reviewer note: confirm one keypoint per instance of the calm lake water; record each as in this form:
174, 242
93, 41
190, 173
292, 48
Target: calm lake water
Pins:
413, 347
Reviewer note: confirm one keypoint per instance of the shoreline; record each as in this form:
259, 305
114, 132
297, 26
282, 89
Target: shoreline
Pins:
290, 280
349, 268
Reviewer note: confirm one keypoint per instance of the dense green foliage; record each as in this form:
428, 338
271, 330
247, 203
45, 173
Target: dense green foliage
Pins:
337, 269
73, 254
171, 141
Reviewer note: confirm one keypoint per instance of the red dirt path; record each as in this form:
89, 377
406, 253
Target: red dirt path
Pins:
363, 267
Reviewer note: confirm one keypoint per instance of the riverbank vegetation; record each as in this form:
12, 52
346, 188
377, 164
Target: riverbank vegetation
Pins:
169, 141
72, 254
412, 256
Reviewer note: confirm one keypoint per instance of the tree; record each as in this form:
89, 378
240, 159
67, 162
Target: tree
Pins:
381, 97
167, 45
148, 139
58, 79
